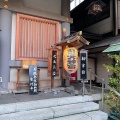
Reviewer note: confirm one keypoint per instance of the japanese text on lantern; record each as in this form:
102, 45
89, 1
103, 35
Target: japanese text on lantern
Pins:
70, 59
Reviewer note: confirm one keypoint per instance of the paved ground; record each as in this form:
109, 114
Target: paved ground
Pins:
23, 97
13, 98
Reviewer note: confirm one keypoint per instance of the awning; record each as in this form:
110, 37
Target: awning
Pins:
73, 40
113, 48
104, 42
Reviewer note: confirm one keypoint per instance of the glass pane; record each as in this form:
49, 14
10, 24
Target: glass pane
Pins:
77, 2
72, 5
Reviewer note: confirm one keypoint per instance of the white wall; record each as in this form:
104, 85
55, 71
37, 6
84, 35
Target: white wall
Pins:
13, 36
103, 26
53, 6
101, 71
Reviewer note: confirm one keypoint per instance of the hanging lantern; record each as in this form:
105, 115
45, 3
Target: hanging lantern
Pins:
70, 59
95, 9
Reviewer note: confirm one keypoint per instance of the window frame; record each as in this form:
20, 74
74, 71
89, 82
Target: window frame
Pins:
19, 16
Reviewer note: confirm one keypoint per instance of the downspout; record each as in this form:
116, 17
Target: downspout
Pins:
115, 17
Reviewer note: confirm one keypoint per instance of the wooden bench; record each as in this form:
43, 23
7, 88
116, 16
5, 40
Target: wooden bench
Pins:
25, 66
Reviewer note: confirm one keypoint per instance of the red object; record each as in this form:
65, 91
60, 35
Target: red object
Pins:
73, 77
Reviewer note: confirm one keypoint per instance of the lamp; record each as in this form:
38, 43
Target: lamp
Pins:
70, 59
95, 9
6, 4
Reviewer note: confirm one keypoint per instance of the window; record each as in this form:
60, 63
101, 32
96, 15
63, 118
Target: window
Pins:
34, 36
72, 5
75, 3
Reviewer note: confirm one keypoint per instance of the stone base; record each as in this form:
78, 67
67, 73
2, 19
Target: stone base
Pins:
43, 84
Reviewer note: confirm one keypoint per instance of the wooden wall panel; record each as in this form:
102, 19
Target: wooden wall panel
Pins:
34, 36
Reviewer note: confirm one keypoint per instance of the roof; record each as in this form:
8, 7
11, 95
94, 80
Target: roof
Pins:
73, 40
104, 42
113, 48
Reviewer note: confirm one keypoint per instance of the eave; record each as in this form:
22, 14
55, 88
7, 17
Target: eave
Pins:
73, 40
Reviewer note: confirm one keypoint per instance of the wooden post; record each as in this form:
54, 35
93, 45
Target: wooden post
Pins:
63, 48
53, 64
52, 82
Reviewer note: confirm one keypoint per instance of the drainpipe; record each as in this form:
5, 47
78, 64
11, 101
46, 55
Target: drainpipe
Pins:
115, 17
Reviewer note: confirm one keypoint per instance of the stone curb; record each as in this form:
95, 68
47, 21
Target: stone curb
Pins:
39, 104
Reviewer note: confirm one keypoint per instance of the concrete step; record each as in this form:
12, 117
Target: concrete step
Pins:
52, 112
39, 104
39, 114
65, 110
94, 115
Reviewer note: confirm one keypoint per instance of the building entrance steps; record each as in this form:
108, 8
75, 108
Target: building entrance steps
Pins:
55, 108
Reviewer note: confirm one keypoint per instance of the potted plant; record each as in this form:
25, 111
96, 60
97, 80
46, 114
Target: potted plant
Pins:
112, 99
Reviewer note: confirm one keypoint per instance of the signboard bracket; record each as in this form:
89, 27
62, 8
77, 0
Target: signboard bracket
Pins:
83, 90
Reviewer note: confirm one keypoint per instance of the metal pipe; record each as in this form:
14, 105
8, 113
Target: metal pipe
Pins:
102, 79
118, 94
115, 17
90, 81
102, 94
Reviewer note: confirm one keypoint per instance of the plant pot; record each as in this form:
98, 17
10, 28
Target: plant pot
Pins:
111, 117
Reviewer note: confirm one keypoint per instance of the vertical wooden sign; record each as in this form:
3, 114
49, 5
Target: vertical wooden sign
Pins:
83, 64
54, 63
53, 56
33, 79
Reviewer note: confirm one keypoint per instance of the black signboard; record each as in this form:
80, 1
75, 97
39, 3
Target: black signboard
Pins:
54, 61
83, 65
33, 79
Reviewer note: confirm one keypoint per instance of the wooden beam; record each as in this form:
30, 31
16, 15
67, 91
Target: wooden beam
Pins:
96, 50
18, 7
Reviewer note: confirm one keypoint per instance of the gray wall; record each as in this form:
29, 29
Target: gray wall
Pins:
119, 14
101, 71
53, 6
5, 47
50, 9
103, 26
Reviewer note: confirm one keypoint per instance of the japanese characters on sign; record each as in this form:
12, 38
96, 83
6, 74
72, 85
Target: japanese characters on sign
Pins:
70, 57
33, 79
83, 64
54, 61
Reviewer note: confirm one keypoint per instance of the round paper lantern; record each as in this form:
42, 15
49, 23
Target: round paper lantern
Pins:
70, 59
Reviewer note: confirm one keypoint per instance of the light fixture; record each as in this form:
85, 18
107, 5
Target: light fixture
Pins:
6, 4
95, 9
70, 59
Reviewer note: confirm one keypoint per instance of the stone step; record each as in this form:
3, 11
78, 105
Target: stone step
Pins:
65, 110
94, 115
39, 114
52, 112
46, 103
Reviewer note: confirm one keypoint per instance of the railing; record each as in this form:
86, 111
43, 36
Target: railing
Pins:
118, 94
102, 80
